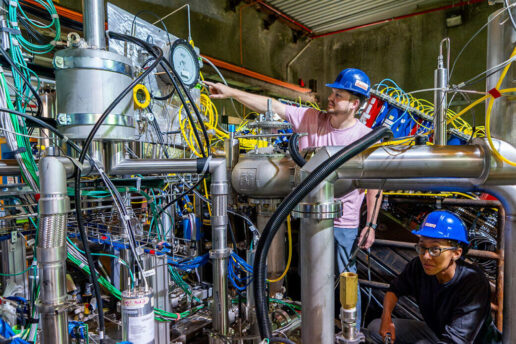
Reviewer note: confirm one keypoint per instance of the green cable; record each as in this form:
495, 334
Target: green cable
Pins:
23, 142
176, 277
19, 273
117, 294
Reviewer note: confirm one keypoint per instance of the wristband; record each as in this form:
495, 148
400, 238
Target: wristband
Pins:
372, 225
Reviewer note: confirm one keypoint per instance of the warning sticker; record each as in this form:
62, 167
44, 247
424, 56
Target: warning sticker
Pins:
135, 303
141, 329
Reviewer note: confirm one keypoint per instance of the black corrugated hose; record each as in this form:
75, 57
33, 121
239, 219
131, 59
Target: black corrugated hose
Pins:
288, 204
294, 151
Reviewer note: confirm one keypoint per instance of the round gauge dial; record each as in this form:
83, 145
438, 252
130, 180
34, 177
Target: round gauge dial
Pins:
185, 62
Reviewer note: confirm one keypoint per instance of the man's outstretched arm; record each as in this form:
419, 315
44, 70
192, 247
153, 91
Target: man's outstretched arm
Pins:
255, 102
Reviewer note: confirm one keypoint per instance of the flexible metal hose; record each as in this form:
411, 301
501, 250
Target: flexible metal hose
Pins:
52, 232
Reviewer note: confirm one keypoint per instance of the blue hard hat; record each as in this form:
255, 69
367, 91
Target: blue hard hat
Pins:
352, 80
443, 224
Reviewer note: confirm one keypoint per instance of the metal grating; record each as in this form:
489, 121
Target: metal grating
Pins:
323, 16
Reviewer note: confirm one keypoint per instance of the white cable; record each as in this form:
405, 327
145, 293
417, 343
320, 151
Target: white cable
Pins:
225, 83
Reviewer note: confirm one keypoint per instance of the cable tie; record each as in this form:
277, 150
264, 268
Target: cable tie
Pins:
53, 43
495, 93
138, 183
65, 139
55, 15
20, 150
82, 265
206, 164
13, 3
15, 41
12, 31
14, 23
127, 217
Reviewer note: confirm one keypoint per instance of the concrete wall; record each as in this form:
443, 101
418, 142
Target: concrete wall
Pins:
404, 50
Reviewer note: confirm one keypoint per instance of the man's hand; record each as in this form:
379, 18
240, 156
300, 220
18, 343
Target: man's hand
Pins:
219, 91
366, 238
387, 327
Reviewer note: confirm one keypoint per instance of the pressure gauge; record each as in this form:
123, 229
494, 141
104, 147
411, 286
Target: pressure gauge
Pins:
185, 62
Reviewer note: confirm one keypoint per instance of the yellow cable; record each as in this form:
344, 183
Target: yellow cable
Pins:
393, 193
467, 108
464, 195
488, 129
206, 194
428, 194
289, 231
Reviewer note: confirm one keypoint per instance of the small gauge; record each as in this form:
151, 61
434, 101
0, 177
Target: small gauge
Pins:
185, 62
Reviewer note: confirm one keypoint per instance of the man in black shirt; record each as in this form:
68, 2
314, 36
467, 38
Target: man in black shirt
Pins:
453, 296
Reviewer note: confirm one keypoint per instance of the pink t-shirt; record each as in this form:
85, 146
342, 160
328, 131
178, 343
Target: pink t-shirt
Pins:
320, 134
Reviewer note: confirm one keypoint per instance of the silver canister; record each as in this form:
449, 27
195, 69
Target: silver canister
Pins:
138, 316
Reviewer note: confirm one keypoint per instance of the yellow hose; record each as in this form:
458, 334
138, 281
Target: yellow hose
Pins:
289, 231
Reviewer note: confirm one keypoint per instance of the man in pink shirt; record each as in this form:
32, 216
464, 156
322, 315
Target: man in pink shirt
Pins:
335, 127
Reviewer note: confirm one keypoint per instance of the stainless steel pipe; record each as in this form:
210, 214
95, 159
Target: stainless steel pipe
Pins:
94, 23
317, 265
54, 205
276, 255
440, 100
9, 167
507, 195
417, 162
220, 251
120, 165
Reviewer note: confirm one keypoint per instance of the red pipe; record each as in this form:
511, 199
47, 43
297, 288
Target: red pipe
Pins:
469, 2
284, 16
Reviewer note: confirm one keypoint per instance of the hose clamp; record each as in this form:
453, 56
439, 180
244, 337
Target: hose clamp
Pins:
220, 254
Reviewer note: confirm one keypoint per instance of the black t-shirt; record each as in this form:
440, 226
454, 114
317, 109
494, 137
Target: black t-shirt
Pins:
458, 311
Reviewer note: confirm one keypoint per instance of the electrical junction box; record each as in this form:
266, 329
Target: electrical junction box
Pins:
454, 20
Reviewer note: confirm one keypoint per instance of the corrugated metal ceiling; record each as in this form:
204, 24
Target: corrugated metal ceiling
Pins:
330, 15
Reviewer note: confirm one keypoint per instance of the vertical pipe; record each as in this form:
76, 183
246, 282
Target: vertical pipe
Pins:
161, 298
276, 255
250, 310
501, 39
51, 251
48, 97
167, 221
507, 195
440, 102
125, 283
220, 252
94, 23
317, 281
318, 269
500, 274
509, 300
